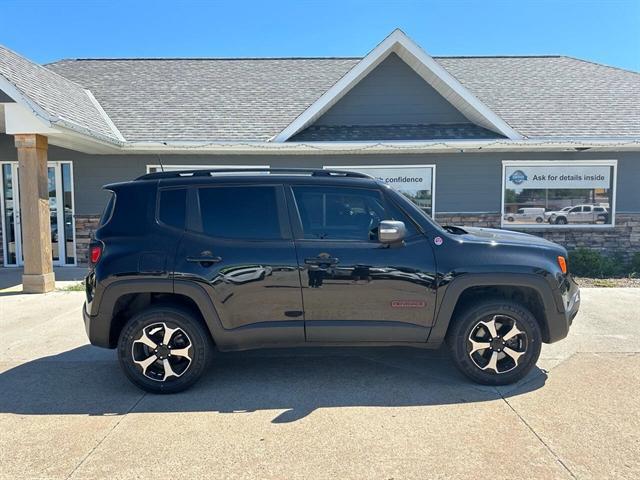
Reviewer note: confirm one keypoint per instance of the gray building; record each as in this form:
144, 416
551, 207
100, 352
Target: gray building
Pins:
543, 144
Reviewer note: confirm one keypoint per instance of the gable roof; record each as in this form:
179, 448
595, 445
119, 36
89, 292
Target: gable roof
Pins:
554, 96
425, 66
52, 97
249, 101
231, 100
255, 99
373, 133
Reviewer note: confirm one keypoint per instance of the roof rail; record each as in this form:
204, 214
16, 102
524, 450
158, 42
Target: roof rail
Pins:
206, 172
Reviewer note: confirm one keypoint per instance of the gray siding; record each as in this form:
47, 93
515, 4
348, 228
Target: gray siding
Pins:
465, 182
392, 94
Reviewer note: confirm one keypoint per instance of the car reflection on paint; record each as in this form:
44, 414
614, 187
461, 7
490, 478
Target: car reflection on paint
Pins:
364, 273
245, 273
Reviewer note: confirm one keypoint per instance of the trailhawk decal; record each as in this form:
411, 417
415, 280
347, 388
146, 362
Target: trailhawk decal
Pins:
408, 304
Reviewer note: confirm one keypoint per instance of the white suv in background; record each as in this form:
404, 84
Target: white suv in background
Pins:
526, 215
579, 214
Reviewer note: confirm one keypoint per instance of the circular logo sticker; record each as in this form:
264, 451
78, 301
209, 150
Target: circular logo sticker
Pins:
438, 240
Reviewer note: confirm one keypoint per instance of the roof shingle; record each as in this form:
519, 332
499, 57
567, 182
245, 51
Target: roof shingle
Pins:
56, 95
254, 99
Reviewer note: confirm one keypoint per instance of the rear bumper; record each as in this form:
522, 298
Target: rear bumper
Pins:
97, 328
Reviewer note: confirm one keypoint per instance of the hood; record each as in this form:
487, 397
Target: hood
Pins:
507, 237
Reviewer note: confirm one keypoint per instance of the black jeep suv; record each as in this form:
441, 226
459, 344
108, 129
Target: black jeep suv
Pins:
183, 261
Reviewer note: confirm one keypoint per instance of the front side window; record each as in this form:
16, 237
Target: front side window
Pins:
558, 194
240, 212
416, 182
339, 213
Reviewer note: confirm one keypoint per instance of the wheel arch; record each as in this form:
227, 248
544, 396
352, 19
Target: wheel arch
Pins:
529, 289
122, 299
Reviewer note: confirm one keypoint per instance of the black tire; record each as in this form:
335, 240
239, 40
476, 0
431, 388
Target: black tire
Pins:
539, 220
466, 326
191, 336
561, 221
509, 219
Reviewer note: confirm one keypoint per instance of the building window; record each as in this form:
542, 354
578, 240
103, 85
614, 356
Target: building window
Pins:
416, 182
557, 194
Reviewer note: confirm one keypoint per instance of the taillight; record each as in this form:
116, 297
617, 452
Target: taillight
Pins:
95, 252
562, 263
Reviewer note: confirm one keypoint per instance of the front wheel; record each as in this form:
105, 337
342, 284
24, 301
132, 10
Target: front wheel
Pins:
164, 349
495, 342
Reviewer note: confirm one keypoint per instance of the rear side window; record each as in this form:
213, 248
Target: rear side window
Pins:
243, 212
172, 207
108, 210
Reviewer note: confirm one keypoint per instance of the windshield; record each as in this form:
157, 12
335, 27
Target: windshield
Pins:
413, 210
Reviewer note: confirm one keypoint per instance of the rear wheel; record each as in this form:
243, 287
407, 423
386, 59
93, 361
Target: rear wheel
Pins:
164, 349
495, 342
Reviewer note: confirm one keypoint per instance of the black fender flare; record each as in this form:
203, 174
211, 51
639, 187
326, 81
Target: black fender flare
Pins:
99, 321
554, 323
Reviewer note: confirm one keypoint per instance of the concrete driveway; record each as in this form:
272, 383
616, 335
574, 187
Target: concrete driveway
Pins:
66, 411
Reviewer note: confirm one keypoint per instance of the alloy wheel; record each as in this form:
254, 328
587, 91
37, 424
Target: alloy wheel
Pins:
497, 344
162, 352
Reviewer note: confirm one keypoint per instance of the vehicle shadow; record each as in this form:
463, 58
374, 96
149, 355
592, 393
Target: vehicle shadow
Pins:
293, 383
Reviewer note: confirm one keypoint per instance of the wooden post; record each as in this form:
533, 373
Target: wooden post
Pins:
38, 274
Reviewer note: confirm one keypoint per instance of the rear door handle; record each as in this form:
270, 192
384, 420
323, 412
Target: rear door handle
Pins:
205, 260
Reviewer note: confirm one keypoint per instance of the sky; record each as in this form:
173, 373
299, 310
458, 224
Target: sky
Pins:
605, 31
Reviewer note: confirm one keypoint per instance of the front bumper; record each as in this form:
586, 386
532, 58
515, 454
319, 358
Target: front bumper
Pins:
568, 306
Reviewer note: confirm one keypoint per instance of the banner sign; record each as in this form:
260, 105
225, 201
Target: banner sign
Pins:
409, 180
552, 177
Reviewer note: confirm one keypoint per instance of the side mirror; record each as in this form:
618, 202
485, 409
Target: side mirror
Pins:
391, 231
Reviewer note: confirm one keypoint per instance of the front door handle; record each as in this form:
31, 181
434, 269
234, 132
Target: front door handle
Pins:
321, 260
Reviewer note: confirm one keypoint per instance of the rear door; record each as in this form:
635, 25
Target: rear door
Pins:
354, 288
238, 247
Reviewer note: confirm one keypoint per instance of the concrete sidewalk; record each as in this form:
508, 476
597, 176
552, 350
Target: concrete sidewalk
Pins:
11, 278
66, 410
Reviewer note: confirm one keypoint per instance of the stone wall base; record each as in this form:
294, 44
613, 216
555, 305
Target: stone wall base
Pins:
86, 225
623, 239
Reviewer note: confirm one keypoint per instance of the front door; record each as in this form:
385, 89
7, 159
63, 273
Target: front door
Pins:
354, 288
60, 187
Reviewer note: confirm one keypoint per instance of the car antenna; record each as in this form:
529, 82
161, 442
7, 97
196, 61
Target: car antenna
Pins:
160, 162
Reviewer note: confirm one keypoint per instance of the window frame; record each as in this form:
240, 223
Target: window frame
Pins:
194, 224
575, 163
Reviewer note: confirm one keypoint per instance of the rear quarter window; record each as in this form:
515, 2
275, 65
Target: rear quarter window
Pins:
108, 210
172, 208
